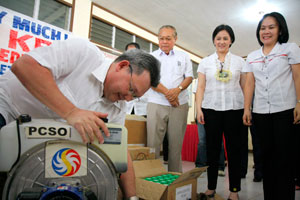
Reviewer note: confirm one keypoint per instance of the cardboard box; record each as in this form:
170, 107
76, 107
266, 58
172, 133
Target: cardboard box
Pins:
141, 153
137, 129
184, 187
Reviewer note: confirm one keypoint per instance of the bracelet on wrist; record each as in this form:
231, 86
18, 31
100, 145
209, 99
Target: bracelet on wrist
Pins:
298, 101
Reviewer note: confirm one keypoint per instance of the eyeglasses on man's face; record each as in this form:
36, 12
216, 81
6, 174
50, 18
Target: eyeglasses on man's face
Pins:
131, 90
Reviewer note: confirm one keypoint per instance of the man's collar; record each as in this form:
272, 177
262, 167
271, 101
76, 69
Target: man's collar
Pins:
106, 101
101, 72
172, 52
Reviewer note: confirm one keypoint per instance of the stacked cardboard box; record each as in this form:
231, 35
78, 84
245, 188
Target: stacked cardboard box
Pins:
137, 129
141, 153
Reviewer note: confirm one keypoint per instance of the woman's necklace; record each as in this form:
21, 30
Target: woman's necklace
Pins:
223, 74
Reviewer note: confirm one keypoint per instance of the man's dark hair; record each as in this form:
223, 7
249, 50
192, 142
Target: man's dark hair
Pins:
225, 28
137, 46
283, 29
140, 61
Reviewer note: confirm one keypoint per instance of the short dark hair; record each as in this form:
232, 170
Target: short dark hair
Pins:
137, 46
226, 28
283, 29
140, 61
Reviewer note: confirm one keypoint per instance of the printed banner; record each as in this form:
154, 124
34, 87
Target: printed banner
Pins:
20, 34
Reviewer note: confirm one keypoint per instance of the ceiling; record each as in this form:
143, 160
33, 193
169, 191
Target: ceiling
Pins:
195, 20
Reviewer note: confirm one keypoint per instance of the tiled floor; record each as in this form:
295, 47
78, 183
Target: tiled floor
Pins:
250, 190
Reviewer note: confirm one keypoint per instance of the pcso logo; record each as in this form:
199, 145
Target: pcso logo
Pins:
66, 162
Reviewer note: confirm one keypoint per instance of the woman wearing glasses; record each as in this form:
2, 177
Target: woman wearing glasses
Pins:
219, 101
273, 73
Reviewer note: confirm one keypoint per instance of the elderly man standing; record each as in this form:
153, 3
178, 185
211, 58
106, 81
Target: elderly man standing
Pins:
73, 80
168, 103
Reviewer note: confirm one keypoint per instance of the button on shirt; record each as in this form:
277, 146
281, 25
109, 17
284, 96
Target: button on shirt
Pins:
79, 69
274, 84
219, 95
175, 67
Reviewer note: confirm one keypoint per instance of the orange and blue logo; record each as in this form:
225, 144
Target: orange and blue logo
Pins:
66, 162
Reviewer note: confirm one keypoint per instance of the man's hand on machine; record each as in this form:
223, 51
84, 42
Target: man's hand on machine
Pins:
88, 123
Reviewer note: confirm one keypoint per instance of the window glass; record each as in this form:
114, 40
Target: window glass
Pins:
50, 11
54, 13
101, 32
122, 39
154, 47
144, 44
195, 67
22, 6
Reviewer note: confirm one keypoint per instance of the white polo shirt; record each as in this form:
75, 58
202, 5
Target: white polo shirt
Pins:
139, 105
79, 69
274, 84
219, 95
175, 67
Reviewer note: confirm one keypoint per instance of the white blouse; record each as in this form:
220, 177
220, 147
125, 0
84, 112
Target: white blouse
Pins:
274, 84
219, 95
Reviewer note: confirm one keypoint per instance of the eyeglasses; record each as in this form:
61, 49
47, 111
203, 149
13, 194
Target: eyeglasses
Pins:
131, 90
